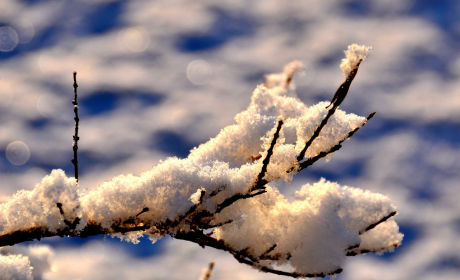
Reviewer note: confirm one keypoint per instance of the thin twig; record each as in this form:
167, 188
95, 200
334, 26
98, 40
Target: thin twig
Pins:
75, 137
71, 224
342, 91
371, 226
353, 250
242, 256
264, 255
315, 135
335, 148
229, 201
260, 182
145, 209
209, 226
359, 252
338, 98
208, 271
244, 260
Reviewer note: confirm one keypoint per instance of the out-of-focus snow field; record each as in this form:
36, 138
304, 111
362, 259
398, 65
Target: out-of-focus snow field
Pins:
157, 78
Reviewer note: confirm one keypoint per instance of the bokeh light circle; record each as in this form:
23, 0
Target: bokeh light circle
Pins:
199, 72
8, 39
24, 29
17, 153
136, 39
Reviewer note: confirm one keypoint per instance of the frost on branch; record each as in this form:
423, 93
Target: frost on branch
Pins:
220, 197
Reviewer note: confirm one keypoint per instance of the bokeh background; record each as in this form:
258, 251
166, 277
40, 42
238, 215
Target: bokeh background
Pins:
157, 78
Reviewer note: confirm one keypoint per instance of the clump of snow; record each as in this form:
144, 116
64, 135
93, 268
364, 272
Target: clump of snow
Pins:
315, 230
15, 267
353, 56
196, 197
240, 143
38, 207
383, 238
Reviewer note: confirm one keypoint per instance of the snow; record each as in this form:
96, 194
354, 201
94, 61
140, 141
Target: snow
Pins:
38, 255
316, 229
382, 238
312, 234
15, 267
28, 209
354, 55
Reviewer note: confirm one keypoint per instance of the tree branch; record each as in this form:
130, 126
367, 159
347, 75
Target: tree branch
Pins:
75, 137
190, 224
242, 256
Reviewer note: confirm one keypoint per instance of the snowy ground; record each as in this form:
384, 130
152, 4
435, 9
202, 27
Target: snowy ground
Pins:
157, 78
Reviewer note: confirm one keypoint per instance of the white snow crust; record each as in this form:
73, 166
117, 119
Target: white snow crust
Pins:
312, 234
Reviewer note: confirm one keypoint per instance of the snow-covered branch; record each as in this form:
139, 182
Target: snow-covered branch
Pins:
220, 197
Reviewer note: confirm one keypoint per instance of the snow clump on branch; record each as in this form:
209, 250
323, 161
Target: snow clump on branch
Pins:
220, 187
353, 56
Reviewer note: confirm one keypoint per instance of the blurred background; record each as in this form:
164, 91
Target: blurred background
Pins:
157, 78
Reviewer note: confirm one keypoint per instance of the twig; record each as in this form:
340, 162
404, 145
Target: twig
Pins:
284, 273
260, 182
71, 224
371, 226
208, 272
315, 135
242, 256
264, 255
75, 137
353, 250
229, 201
358, 252
145, 209
338, 98
335, 148
218, 190
342, 91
